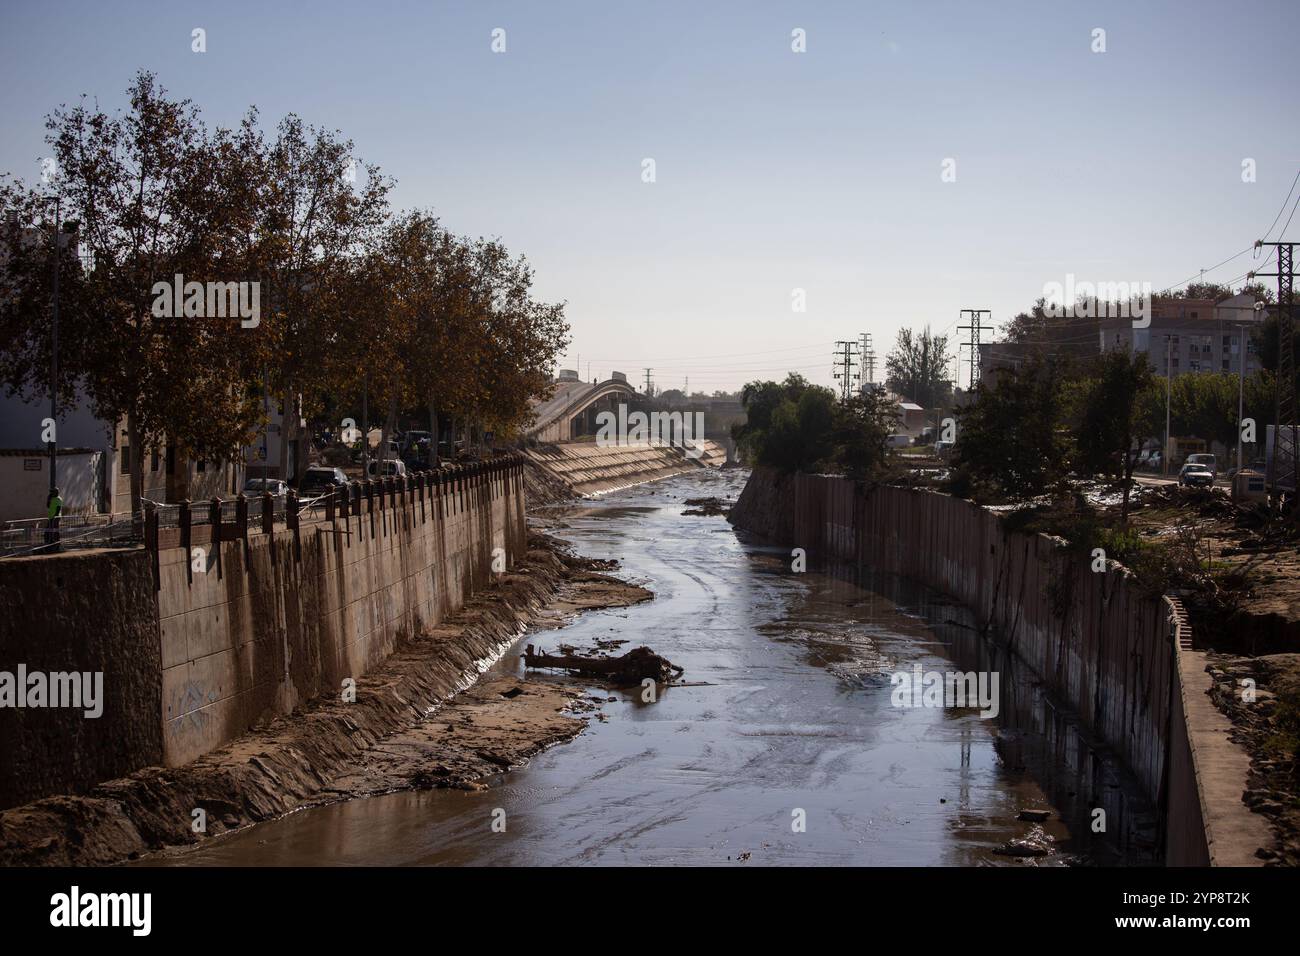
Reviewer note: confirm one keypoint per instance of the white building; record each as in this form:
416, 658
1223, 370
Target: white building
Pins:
1191, 335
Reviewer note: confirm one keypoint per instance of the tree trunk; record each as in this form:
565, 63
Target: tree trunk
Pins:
433, 434
365, 429
135, 461
299, 434
1127, 471
283, 457
390, 421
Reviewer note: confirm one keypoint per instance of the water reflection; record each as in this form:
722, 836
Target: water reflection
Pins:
795, 719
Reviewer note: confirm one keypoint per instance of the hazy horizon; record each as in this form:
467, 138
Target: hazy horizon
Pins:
775, 170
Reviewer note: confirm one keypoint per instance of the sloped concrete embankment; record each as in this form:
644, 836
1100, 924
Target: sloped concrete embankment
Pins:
310, 756
1121, 659
218, 628
586, 468
279, 618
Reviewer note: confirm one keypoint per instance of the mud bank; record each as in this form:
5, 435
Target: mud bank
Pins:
405, 729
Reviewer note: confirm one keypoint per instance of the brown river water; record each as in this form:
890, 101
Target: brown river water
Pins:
795, 723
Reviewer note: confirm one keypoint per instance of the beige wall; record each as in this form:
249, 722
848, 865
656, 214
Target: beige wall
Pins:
260, 635
27, 490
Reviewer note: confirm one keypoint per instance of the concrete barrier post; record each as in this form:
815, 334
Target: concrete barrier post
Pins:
214, 519
291, 522
183, 519
151, 540
241, 524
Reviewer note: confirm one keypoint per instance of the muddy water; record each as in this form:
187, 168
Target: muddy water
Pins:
794, 723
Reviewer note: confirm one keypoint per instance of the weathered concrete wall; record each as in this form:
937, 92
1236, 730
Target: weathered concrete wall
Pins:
282, 618
89, 611
1107, 650
193, 658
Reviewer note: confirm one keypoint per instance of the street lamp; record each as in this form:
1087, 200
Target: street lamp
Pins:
1169, 388
1241, 385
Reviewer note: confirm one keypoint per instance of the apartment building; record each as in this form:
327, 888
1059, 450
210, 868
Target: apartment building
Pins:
1191, 335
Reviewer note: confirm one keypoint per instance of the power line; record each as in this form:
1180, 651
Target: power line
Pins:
1283, 209
1200, 274
687, 358
1288, 218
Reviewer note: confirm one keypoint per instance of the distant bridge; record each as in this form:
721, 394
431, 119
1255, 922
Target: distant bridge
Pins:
570, 410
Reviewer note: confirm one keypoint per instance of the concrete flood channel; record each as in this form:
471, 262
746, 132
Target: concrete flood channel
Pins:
794, 713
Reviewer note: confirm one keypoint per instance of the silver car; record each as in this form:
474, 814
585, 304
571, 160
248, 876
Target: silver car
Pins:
259, 486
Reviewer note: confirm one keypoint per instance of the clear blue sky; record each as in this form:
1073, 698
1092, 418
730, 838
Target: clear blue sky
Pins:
775, 170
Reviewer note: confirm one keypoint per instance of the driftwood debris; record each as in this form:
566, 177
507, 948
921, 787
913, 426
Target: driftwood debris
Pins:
631, 668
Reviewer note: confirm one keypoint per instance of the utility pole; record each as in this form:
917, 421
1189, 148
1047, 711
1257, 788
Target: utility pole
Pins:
54, 357
1241, 385
648, 385
845, 353
1285, 465
868, 357
975, 330
1169, 392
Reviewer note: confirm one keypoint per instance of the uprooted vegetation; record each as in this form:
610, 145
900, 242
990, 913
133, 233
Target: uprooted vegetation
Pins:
1221, 558
1237, 570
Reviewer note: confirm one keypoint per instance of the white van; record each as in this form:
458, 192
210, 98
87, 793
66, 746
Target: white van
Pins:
1207, 460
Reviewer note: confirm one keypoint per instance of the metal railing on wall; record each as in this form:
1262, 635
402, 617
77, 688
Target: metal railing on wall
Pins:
188, 524
163, 521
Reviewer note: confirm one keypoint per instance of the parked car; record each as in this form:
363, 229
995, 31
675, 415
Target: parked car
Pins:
1209, 461
1157, 461
259, 486
451, 450
1193, 474
899, 441
942, 449
390, 466
320, 478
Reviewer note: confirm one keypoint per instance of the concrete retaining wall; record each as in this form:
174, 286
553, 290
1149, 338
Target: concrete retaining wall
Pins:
1110, 652
199, 641
284, 617
88, 611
